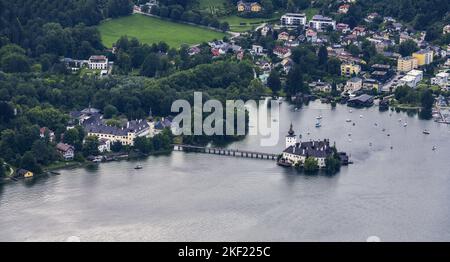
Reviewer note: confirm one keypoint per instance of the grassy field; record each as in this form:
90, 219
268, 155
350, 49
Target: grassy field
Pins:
211, 5
153, 30
240, 24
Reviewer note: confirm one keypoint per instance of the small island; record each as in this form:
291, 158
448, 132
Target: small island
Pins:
311, 156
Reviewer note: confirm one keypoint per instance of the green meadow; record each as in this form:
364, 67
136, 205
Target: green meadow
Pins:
153, 30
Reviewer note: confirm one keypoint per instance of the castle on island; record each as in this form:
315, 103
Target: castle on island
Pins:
297, 152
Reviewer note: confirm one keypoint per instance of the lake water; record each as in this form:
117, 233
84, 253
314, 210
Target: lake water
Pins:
398, 194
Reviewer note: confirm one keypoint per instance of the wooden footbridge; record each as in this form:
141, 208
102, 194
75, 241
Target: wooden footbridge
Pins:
225, 152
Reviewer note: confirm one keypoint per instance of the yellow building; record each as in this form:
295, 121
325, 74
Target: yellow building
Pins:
424, 57
350, 69
406, 64
24, 173
248, 7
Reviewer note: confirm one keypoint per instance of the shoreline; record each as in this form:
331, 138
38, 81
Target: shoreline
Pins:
73, 165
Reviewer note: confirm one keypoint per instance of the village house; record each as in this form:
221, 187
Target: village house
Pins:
287, 64
194, 50
282, 52
67, 151
381, 73
343, 9
283, 36
257, 49
253, 7
320, 86
264, 65
353, 84
370, 84
424, 57
412, 78
446, 29
45, 132
98, 62
350, 69
293, 20
165, 122
406, 64
104, 145
344, 28
322, 23
265, 30
311, 36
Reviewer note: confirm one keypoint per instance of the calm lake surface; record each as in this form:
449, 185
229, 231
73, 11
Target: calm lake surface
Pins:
398, 194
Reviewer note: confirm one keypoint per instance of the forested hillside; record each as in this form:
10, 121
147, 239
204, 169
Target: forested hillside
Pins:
62, 27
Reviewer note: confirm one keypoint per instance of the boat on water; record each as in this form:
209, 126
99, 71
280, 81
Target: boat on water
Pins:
319, 117
354, 124
348, 120
318, 124
405, 124
360, 116
426, 132
138, 167
350, 111
434, 148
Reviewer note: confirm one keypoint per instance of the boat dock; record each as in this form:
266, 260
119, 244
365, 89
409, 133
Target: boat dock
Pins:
225, 152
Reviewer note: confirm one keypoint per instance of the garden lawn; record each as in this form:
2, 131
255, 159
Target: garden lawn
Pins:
153, 30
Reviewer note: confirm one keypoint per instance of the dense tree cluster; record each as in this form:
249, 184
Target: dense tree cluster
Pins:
49, 29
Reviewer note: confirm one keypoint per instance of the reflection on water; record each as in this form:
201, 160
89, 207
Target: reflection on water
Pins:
397, 189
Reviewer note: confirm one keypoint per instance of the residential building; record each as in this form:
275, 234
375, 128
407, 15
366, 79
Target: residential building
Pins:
311, 36
354, 84
343, 9
98, 62
257, 49
424, 57
104, 145
283, 36
253, 7
411, 79
293, 20
282, 52
370, 84
350, 69
381, 73
441, 79
446, 29
125, 134
344, 28
406, 64
320, 86
67, 151
265, 30
322, 23
45, 132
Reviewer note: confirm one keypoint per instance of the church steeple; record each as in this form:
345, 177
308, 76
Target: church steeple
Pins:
291, 139
291, 131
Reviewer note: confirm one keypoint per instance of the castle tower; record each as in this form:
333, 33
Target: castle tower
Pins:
291, 139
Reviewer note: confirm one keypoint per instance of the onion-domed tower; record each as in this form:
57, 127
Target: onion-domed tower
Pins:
291, 139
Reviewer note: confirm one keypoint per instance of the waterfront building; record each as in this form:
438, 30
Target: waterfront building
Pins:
67, 151
363, 100
293, 19
297, 152
125, 134
354, 84
424, 57
406, 64
23, 173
